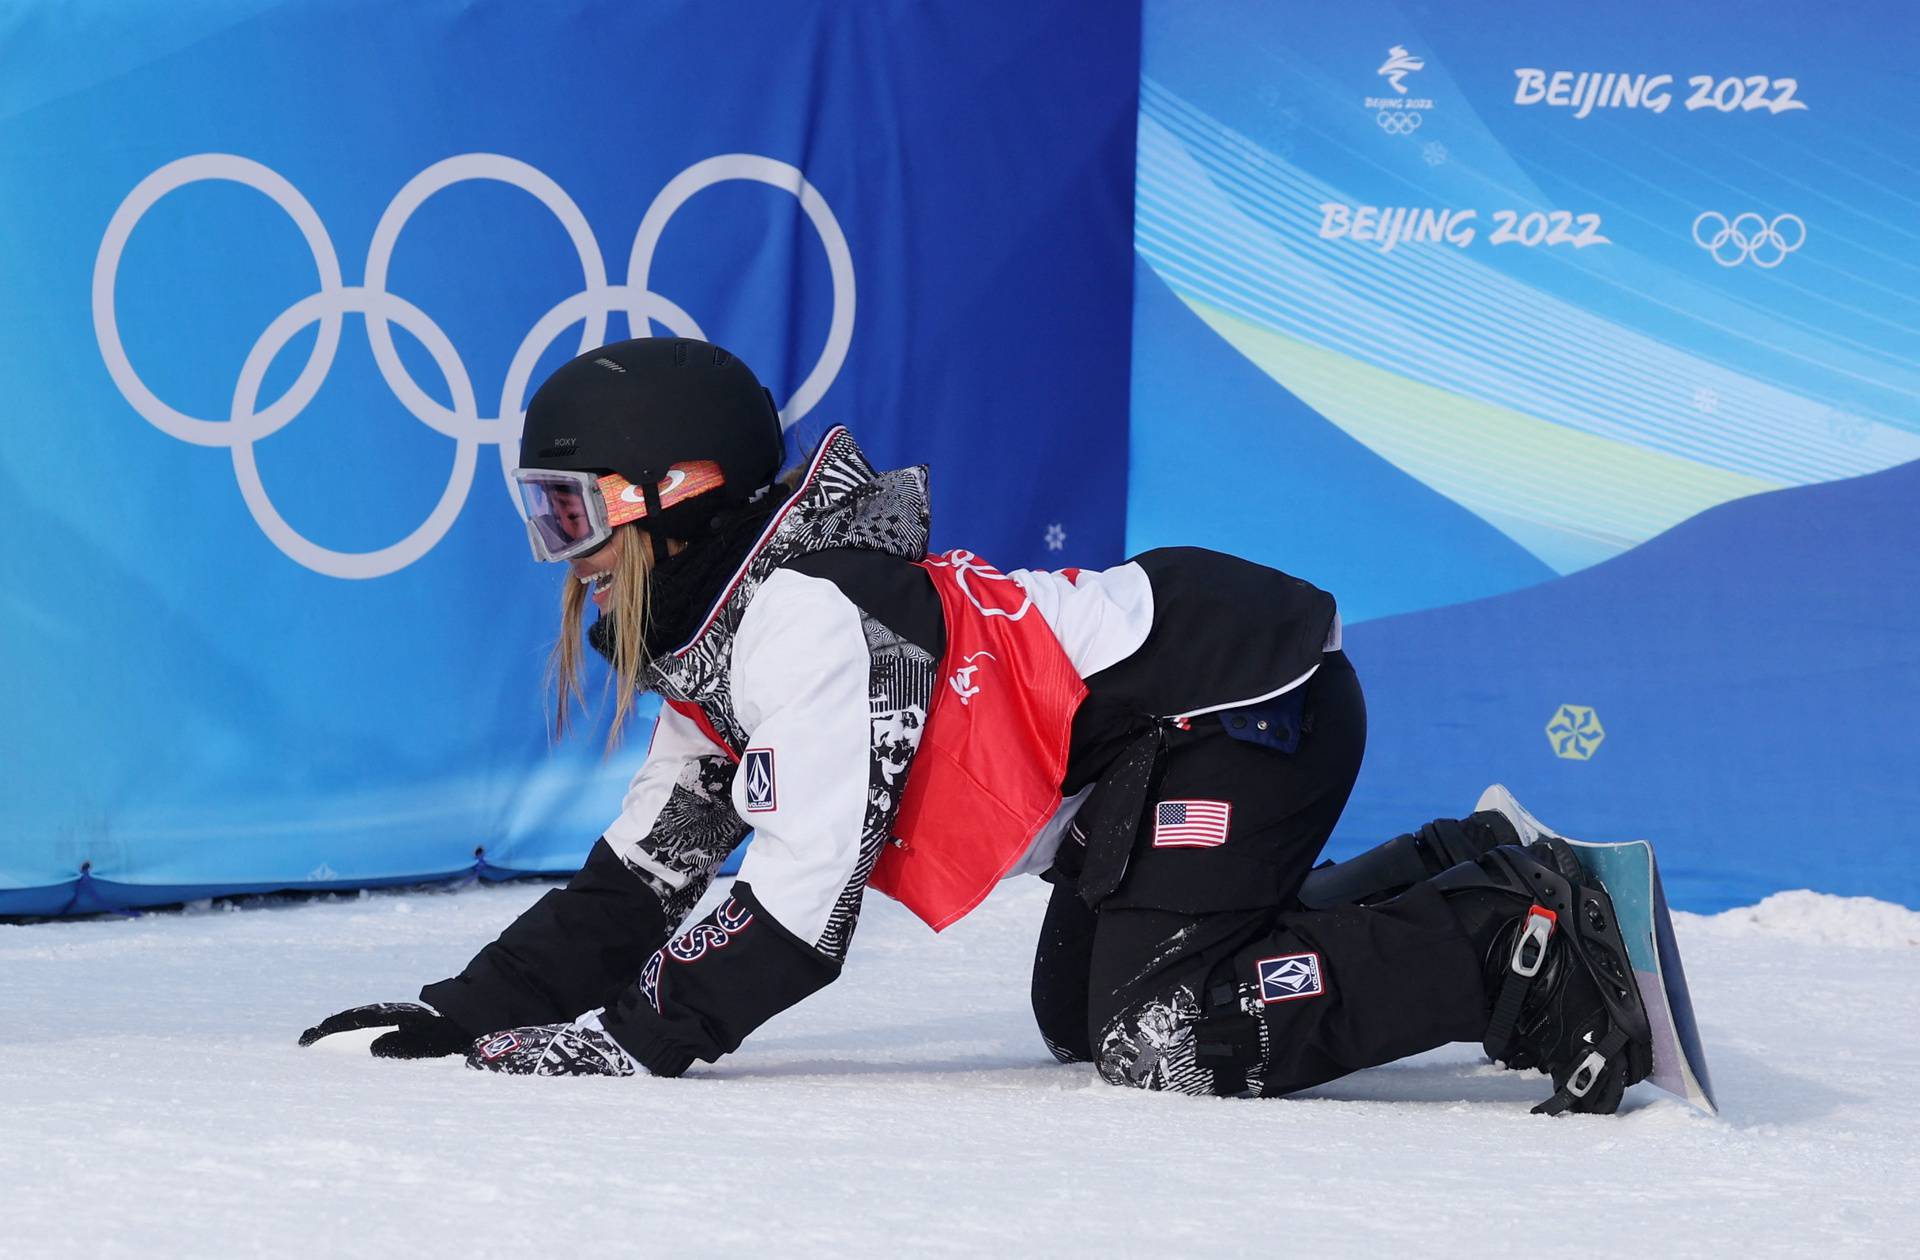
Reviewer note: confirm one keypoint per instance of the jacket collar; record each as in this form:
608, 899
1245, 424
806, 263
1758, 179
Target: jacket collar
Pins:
841, 501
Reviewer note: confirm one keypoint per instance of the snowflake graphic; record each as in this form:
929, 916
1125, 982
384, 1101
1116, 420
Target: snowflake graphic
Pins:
1434, 153
1706, 400
1056, 537
1575, 732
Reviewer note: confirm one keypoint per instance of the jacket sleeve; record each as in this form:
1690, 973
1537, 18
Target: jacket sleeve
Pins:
834, 703
579, 946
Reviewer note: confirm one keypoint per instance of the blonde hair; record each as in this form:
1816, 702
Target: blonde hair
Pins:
629, 608
631, 611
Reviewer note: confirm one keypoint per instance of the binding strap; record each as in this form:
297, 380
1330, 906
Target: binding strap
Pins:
1587, 1075
1523, 966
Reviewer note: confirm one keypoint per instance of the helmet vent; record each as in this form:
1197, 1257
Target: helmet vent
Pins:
679, 354
720, 357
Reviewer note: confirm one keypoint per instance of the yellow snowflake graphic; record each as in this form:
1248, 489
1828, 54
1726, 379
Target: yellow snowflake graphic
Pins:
1575, 732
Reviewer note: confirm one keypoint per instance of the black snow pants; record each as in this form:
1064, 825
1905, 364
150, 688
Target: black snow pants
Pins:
1202, 973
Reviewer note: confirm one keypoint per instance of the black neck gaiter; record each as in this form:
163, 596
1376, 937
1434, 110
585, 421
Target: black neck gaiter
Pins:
684, 587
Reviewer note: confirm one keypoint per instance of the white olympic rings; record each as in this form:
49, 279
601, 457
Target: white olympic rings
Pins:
1398, 124
248, 422
1749, 237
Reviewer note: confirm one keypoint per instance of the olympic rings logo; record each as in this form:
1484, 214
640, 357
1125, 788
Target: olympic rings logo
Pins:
1749, 237
1398, 124
248, 422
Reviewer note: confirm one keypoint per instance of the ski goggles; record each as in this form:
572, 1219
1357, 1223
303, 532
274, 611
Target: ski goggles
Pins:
571, 513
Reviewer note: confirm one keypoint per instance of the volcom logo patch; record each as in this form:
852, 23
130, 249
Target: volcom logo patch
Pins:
1288, 977
757, 765
503, 1044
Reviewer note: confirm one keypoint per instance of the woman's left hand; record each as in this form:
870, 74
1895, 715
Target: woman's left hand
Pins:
419, 1031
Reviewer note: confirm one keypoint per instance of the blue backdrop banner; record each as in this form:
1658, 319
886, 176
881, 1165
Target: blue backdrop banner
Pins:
1576, 353
282, 276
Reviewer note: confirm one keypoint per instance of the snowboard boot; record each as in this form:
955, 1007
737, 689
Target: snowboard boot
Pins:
1497, 800
1561, 992
1387, 870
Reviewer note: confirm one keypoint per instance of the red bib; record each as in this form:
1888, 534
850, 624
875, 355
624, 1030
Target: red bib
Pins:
987, 774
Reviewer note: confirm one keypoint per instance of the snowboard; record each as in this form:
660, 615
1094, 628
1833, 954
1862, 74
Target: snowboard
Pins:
1631, 876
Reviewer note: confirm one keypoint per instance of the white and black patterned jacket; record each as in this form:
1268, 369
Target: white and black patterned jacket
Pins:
795, 711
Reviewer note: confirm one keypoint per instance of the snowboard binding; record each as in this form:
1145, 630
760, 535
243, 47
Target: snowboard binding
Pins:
1563, 993
1387, 870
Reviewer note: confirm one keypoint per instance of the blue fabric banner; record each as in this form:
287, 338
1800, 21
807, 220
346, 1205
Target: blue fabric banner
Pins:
1574, 350
281, 278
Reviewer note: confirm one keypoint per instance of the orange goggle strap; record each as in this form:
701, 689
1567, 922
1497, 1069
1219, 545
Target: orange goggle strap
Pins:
627, 502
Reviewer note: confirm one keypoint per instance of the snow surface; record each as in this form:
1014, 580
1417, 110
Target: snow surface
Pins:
153, 1103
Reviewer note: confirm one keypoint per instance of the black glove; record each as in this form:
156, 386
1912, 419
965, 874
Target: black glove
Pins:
419, 1032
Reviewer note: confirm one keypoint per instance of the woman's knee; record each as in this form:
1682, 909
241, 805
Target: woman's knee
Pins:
1151, 1046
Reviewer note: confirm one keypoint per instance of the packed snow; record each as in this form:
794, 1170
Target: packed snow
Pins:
155, 1105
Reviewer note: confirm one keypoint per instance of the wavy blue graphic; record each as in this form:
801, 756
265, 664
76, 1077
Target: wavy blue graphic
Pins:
1406, 282
1635, 294
1296, 492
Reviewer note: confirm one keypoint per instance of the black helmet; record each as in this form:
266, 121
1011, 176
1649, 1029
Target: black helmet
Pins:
640, 407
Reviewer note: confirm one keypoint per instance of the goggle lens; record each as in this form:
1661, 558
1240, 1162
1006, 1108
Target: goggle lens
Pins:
565, 512
569, 513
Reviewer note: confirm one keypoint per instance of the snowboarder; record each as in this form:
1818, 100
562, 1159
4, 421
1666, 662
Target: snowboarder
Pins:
1168, 742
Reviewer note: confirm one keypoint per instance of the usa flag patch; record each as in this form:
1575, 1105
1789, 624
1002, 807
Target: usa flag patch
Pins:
757, 765
1191, 824
1288, 977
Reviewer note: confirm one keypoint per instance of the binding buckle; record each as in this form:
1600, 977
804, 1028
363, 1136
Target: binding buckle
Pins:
1530, 947
1584, 1076
1528, 956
